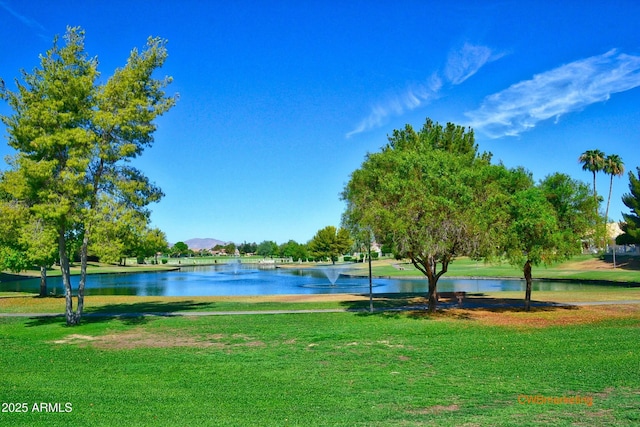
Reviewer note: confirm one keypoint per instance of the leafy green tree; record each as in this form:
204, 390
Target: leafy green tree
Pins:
247, 248
573, 206
429, 194
330, 242
153, 242
179, 249
631, 224
293, 250
74, 139
532, 234
120, 232
117, 230
13, 216
230, 248
39, 239
613, 166
25, 240
267, 248
547, 224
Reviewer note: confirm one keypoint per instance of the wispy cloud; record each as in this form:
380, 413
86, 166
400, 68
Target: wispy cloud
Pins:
551, 94
461, 64
464, 63
31, 23
397, 105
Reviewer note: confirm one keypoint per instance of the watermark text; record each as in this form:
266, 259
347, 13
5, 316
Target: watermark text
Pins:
538, 399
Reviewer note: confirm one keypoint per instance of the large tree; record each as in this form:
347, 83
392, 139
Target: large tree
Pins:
75, 137
432, 195
330, 242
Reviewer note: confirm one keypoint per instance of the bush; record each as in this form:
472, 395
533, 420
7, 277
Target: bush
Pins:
348, 258
164, 260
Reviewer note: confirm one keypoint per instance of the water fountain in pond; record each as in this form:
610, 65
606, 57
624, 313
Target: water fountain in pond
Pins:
332, 273
233, 267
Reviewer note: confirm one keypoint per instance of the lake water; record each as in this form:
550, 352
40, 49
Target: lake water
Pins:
249, 280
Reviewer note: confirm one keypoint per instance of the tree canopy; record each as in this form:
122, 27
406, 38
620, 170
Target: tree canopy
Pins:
428, 193
330, 242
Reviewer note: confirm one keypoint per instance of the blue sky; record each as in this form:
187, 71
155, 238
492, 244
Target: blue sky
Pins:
281, 100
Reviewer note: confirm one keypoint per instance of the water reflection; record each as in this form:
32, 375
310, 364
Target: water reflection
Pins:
252, 280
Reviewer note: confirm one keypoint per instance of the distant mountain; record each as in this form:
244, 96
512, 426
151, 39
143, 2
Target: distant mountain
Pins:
196, 244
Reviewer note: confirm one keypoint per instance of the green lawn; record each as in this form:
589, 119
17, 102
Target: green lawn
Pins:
321, 369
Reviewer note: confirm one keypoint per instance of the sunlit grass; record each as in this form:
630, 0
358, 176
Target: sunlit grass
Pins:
340, 369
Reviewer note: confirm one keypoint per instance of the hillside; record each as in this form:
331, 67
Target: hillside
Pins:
208, 243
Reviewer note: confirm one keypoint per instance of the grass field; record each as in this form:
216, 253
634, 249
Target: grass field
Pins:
460, 367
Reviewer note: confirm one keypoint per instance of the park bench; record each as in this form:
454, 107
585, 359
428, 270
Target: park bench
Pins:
459, 295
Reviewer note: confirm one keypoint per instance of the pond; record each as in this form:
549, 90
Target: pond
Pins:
246, 279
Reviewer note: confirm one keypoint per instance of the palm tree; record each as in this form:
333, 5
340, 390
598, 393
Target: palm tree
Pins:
593, 161
613, 166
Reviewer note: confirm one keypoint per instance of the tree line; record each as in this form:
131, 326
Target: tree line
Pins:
328, 244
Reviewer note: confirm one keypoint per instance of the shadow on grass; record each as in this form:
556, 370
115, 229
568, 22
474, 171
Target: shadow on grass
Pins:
623, 262
131, 314
391, 305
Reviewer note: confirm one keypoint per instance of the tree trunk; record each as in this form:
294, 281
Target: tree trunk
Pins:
595, 193
433, 292
606, 212
66, 278
427, 266
43, 281
528, 279
83, 275
370, 283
